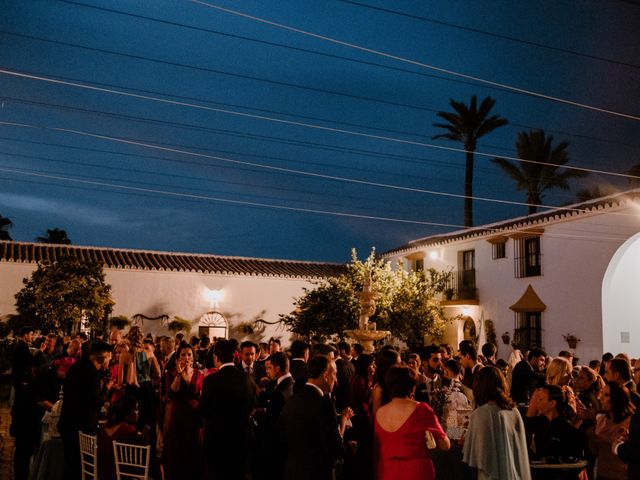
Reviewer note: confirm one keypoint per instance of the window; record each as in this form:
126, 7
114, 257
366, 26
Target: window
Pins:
418, 265
499, 250
527, 257
468, 260
528, 330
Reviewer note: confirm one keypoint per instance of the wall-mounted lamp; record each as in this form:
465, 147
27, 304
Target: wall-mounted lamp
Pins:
434, 254
214, 297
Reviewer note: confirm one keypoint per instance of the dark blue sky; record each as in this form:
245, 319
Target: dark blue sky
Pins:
104, 192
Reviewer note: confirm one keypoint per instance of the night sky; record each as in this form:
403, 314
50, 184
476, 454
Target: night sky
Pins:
196, 157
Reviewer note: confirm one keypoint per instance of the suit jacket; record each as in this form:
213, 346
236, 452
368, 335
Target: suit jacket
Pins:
272, 456
299, 372
258, 373
226, 405
524, 381
629, 451
343, 391
309, 428
83, 399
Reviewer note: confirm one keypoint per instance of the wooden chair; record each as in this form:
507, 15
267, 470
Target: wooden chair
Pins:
132, 461
88, 456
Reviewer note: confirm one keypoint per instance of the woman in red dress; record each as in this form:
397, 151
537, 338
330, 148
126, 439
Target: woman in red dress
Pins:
405, 430
180, 451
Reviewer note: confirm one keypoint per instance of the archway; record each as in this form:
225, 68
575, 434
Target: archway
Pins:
621, 300
213, 324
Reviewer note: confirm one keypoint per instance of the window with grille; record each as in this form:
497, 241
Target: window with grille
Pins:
527, 257
528, 330
499, 250
418, 265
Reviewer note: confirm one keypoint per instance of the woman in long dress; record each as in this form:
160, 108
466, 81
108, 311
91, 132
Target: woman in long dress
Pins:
180, 452
405, 431
495, 444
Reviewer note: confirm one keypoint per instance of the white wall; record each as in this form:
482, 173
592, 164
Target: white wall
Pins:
575, 255
621, 300
153, 293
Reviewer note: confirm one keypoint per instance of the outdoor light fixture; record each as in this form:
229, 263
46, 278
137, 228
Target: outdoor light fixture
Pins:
466, 311
215, 296
434, 254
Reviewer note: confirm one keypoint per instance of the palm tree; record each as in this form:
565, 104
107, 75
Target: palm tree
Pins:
535, 178
5, 225
467, 125
635, 171
55, 235
596, 191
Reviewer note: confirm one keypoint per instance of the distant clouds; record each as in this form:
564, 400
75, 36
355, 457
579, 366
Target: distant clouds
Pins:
81, 213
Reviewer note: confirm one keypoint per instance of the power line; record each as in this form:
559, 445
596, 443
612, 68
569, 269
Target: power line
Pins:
138, 191
224, 200
492, 34
308, 125
414, 62
281, 169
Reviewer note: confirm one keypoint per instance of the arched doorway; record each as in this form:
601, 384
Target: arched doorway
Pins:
213, 324
621, 300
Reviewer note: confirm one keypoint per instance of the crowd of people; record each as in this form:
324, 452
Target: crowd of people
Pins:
220, 409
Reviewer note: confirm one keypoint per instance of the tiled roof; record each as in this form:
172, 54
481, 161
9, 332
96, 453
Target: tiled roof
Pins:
513, 225
167, 261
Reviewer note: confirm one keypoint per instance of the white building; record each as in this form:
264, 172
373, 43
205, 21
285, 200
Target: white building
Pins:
574, 270
214, 292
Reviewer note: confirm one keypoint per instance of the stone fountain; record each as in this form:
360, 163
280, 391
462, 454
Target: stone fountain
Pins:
366, 333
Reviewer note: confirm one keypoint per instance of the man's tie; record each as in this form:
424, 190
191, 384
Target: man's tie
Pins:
248, 370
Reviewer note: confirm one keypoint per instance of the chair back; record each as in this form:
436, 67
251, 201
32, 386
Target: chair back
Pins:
88, 456
132, 461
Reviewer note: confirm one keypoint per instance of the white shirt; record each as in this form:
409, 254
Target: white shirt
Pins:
316, 387
286, 375
230, 364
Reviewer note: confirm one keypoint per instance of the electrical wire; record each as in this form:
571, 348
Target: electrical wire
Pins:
289, 170
490, 34
308, 125
415, 62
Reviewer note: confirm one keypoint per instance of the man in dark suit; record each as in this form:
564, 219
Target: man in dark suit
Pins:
346, 371
299, 357
248, 364
528, 374
22, 369
226, 406
272, 457
310, 428
84, 395
628, 447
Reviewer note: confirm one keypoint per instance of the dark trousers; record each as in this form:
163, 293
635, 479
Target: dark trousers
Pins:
71, 443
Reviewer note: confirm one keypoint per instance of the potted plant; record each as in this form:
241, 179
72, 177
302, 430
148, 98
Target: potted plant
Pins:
506, 339
571, 340
179, 325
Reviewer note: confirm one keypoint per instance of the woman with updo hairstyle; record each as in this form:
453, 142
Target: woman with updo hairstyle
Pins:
559, 372
495, 443
405, 431
588, 383
122, 416
554, 438
362, 420
387, 358
180, 451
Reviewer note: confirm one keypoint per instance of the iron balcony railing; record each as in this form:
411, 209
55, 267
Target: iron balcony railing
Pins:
461, 286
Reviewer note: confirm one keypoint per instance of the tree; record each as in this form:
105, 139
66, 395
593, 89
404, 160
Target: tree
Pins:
635, 172
540, 170
467, 124
596, 191
60, 295
406, 303
5, 225
55, 235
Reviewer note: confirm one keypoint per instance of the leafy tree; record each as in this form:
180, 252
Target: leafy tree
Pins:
545, 174
55, 235
5, 225
406, 303
61, 294
467, 124
596, 191
635, 171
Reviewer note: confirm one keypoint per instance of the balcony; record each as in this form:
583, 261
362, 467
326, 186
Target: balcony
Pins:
461, 289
